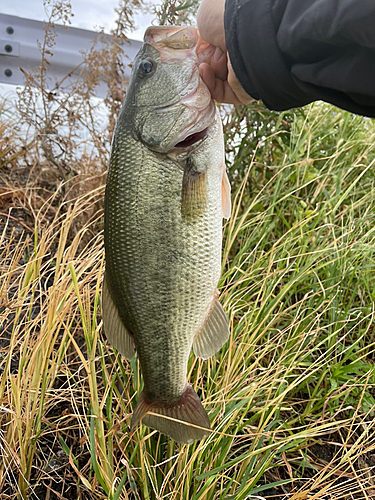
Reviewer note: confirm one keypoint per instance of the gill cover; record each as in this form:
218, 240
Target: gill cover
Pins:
169, 101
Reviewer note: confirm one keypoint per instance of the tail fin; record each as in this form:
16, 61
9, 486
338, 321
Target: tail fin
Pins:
188, 409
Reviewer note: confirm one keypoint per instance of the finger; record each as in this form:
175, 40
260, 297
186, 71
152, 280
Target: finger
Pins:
208, 76
210, 22
220, 90
219, 63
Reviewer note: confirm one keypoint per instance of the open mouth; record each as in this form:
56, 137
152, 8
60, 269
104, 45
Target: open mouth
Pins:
192, 139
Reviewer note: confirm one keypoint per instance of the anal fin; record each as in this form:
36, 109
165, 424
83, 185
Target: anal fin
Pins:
115, 330
187, 409
214, 332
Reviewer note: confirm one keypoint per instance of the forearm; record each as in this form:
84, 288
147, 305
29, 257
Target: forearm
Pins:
291, 52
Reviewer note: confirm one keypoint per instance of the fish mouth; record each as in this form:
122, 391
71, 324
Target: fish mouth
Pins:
195, 133
192, 139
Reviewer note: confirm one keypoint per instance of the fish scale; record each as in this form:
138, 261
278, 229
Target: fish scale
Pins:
162, 292
162, 264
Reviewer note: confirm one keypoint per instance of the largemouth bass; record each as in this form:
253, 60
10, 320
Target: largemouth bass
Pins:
167, 192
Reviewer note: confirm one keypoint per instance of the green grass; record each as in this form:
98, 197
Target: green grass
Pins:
297, 374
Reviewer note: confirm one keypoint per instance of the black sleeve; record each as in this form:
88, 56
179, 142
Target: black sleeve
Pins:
292, 52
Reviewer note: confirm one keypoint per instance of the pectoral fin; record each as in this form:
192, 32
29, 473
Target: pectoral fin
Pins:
194, 192
213, 334
115, 330
226, 203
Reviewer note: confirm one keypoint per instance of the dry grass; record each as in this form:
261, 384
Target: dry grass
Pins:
290, 396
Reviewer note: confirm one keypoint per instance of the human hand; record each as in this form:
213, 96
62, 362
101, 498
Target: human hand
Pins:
217, 73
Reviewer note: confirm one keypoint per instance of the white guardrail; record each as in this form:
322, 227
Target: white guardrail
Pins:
19, 49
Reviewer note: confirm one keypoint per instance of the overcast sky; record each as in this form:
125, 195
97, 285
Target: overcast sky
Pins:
88, 14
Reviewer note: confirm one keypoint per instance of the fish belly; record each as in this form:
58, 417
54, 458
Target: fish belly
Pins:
162, 271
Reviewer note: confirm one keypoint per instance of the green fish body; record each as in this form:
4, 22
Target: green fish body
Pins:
166, 194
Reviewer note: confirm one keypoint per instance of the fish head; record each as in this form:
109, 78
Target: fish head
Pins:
169, 105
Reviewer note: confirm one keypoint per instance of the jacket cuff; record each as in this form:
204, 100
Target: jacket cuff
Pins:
250, 38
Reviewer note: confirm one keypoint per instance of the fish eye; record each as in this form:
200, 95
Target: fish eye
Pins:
146, 67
